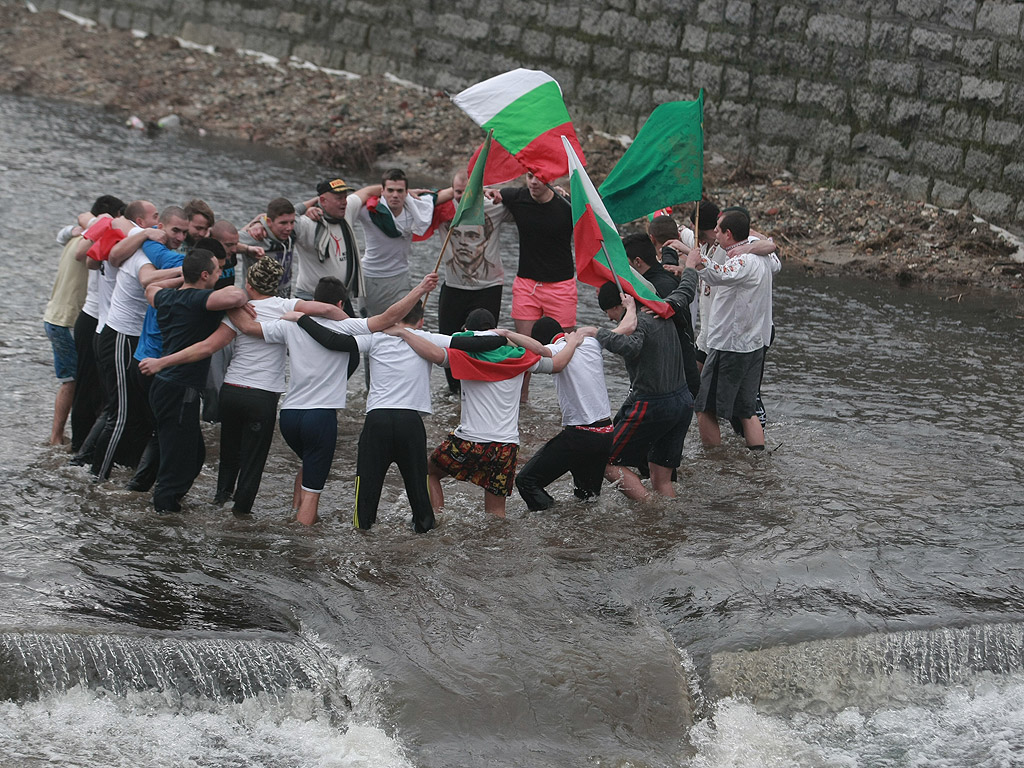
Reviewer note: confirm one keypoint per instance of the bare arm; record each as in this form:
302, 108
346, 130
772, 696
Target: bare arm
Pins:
425, 348
526, 342
245, 322
572, 341
401, 308
627, 325
150, 274
321, 309
366, 193
121, 251
198, 351
228, 297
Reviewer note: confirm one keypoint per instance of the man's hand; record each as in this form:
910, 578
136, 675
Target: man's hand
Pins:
395, 330
494, 195
675, 269
159, 235
150, 366
427, 284
693, 259
256, 252
291, 317
575, 338
315, 213
257, 231
587, 331
249, 309
628, 302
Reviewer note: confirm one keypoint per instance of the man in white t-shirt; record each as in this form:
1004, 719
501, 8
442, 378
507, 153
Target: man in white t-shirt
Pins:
484, 447
583, 445
389, 223
399, 393
318, 387
129, 417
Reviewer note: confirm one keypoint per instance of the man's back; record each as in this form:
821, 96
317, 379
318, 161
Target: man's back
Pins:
399, 378
654, 360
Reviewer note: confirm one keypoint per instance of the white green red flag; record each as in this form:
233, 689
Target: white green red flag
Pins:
471, 205
600, 256
663, 166
525, 110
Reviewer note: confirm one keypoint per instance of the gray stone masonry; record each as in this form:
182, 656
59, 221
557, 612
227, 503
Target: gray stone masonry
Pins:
922, 96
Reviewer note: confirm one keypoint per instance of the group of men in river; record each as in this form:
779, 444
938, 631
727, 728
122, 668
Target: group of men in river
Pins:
151, 334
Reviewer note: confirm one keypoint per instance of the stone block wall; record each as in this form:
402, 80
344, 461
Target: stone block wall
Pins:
924, 96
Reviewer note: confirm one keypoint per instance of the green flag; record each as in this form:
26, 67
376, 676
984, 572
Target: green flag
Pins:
471, 206
663, 166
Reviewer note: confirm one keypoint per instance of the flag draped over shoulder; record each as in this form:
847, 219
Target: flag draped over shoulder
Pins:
525, 110
663, 166
499, 364
600, 256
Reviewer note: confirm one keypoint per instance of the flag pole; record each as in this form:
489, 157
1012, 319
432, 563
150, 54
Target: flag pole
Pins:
439, 257
696, 226
608, 260
443, 246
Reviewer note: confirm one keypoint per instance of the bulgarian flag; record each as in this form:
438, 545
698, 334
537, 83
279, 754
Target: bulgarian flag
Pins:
600, 257
525, 110
663, 166
471, 204
499, 364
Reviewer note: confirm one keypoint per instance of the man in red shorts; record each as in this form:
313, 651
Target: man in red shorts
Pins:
545, 282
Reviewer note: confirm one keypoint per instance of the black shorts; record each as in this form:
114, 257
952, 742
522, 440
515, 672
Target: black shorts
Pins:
729, 384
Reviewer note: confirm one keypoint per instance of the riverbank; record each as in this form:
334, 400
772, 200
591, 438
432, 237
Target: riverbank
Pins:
353, 123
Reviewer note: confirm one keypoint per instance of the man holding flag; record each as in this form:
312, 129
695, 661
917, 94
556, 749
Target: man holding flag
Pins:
525, 111
473, 272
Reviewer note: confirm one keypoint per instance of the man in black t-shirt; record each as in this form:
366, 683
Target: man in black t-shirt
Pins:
186, 315
545, 282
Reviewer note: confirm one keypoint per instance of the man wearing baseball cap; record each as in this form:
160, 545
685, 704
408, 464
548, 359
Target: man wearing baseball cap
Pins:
325, 243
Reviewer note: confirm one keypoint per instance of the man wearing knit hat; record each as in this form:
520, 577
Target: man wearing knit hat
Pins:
253, 383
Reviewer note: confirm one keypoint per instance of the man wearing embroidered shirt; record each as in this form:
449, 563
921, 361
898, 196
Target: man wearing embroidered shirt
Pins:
737, 335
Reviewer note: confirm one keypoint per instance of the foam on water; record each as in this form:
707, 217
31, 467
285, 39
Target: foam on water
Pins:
82, 727
980, 724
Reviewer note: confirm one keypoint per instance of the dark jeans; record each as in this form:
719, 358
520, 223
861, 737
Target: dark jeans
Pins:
455, 304
579, 451
392, 435
182, 450
247, 420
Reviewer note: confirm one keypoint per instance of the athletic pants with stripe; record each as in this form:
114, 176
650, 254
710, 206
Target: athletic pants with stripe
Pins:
127, 430
392, 435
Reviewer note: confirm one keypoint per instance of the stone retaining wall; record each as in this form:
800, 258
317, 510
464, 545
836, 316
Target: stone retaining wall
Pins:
925, 96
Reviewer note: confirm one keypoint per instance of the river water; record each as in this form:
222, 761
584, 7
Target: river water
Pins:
852, 598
